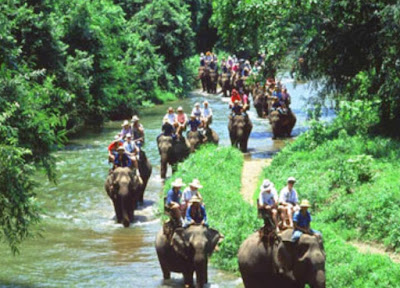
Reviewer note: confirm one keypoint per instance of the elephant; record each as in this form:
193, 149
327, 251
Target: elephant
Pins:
239, 128
281, 263
205, 78
196, 139
260, 102
213, 81
171, 152
187, 252
282, 124
122, 186
145, 169
225, 83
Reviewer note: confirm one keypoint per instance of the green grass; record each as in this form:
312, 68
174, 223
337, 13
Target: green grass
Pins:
219, 170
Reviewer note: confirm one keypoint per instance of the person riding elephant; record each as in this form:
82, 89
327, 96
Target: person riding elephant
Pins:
239, 128
278, 262
171, 152
282, 124
196, 138
122, 186
187, 252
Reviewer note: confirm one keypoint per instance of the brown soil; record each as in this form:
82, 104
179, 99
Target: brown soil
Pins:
375, 248
252, 169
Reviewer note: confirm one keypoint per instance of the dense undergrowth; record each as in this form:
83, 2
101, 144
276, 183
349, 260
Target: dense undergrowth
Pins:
219, 170
351, 179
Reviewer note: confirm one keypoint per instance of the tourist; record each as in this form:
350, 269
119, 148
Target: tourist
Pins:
288, 202
302, 220
268, 203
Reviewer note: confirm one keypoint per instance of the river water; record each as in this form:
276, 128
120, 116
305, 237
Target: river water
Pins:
80, 244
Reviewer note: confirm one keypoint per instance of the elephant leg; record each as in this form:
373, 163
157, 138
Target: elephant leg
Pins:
188, 278
117, 209
163, 169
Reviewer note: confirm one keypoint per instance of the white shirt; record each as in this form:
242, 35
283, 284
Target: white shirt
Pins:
207, 112
188, 194
197, 112
171, 118
129, 146
288, 196
266, 198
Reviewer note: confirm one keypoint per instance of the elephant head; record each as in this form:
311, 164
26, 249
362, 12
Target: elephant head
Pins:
239, 131
194, 139
195, 244
282, 124
121, 186
171, 152
306, 259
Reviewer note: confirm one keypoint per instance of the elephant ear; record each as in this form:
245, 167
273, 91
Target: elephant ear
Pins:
213, 238
179, 242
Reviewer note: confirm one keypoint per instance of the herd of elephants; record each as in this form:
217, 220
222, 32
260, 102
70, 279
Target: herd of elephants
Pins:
265, 260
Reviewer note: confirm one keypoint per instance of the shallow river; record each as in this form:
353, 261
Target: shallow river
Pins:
80, 244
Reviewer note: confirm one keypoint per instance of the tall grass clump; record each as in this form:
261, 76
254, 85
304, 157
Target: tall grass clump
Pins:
219, 171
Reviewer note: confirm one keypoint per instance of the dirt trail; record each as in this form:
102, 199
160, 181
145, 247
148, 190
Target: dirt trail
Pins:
374, 248
252, 169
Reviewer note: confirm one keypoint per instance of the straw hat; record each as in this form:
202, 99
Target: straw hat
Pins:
126, 123
266, 185
135, 118
121, 148
178, 183
196, 183
192, 116
305, 203
291, 179
129, 135
195, 199
179, 109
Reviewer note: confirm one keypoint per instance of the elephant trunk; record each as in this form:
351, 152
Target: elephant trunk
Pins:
200, 266
126, 206
319, 280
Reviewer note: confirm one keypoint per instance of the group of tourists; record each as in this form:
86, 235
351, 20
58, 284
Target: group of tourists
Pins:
174, 124
278, 94
186, 208
124, 150
291, 213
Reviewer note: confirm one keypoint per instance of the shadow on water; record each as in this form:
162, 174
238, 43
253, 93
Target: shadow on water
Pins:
81, 244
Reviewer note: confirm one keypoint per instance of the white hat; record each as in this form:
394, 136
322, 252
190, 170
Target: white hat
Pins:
178, 183
197, 104
195, 199
291, 179
117, 137
266, 185
192, 115
121, 148
129, 135
179, 108
135, 118
126, 122
165, 120
196, 183
305, 203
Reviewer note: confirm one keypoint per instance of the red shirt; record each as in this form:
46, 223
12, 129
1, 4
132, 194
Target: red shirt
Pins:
112, 145
235, 96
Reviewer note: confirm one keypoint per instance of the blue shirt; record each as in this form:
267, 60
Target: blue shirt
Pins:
174, 197
197, 216
194, 124
301, 220
125, 162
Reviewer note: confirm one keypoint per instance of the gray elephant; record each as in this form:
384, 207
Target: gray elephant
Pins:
145, 169
187, 252
260, 101
225, 83
213, 81
239, 127
171, 152
196, 139
282, 124
281, 263
122, 186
